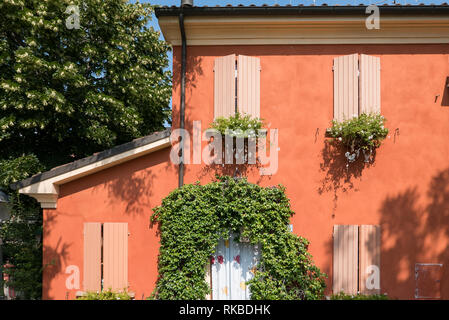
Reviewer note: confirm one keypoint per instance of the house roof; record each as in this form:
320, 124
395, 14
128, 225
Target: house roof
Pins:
44, 186
299, 25
300, 9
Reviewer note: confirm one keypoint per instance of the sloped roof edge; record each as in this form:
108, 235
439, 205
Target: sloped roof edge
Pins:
301, 10
57, 171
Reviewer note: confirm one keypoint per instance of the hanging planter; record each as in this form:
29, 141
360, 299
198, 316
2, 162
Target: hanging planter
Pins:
361, 135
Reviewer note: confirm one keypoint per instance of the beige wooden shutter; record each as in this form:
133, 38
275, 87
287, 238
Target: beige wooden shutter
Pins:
115, 256
346, 87
224, 86
369, 84
369, 259
248, 93
92, 257
345, 259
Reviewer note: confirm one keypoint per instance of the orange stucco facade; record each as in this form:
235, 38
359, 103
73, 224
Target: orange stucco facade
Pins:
405, 190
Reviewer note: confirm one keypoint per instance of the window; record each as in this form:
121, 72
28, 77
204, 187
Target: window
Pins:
356, 259
356, 85
105, 256
236, 86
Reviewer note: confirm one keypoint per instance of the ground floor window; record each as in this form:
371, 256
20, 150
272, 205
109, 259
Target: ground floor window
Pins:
105, 256
356, 259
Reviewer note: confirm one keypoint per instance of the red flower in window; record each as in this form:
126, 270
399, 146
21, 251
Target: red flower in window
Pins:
220, 259
212, 260
237, 258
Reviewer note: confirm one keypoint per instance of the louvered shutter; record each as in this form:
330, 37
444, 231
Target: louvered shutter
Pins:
346, 87
369, 84
248, 93
92, 257
369, 259
224, 86
345, 259
115, 256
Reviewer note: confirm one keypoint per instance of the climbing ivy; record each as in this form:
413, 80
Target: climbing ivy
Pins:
194, 217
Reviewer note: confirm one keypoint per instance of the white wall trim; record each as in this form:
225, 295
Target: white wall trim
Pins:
47, 191
288, 30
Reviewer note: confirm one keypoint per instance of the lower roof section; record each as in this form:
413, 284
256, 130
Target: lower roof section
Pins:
44, 187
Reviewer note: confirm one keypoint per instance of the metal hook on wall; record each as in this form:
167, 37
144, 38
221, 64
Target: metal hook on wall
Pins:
396, 133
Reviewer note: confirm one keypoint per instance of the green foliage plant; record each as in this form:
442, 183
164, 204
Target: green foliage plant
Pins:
66, 93
344, 296
359, 134
193, 218
241, 126
106, 295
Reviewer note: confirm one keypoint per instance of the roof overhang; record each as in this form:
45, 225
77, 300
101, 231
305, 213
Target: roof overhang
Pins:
305, 25
44, 187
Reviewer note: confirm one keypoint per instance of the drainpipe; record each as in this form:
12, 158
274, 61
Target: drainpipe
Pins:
184, 3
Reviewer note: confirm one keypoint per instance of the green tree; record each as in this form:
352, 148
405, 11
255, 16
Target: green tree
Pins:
68, 90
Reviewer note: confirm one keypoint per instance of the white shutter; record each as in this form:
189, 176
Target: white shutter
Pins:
224, 86
345, 259
369, 84
92, 257
346, 87
248, 93
115, 256
369, 256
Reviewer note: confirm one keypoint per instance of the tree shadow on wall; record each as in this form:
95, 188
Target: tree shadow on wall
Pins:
234, 169
136, 188
414, 231
193, 71
54, 257
339, 175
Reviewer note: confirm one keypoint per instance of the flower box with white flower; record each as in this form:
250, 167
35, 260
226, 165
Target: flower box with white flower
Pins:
360, 135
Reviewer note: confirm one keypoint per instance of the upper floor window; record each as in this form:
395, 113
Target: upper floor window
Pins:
356, 86
237, 86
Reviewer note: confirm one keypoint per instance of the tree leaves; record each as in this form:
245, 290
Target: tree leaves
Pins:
97, 86
66, 93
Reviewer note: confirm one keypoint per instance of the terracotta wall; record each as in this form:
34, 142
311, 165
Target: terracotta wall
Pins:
125, 193
406, 191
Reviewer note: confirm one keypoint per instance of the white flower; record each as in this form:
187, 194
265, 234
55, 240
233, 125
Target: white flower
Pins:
339, 139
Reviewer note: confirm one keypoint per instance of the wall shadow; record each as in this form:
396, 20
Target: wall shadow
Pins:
445, 98
54, 257
131, 182
415, 232
136, 187
193, 70
339, 175
234, 169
